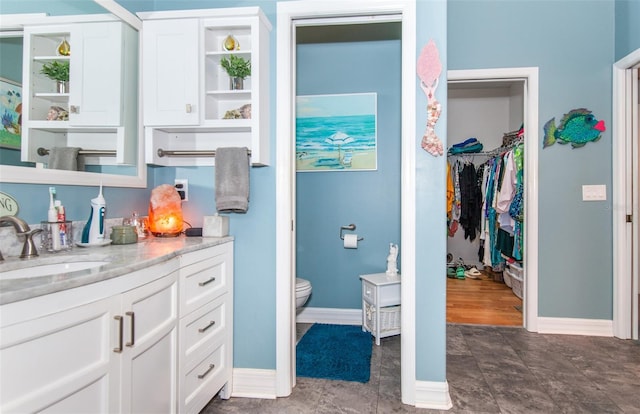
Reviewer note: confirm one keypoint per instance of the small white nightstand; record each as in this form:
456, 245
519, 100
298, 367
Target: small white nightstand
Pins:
381, 305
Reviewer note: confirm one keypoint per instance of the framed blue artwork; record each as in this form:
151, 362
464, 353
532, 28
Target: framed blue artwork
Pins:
10, 113
336, 132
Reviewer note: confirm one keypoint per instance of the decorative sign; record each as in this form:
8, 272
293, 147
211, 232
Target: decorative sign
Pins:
336, 132
10, 114
8, 205
577, 127
429, 69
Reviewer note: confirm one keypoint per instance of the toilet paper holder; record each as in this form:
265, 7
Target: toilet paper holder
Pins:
350, 227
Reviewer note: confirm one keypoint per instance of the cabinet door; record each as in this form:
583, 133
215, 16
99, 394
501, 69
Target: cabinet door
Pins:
96, 74
61, 363
149, 358
171, 72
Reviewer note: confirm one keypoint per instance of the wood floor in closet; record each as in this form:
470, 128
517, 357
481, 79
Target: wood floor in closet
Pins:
482, 301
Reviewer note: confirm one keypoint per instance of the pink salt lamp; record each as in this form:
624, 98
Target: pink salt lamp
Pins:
165, 212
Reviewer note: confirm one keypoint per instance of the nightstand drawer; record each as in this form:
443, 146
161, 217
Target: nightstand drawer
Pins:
388, 295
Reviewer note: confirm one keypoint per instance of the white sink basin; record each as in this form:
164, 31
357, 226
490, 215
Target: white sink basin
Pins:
51, 269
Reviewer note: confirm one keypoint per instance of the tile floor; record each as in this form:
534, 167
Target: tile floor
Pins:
489, 370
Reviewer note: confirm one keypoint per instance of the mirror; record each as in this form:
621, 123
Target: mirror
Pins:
120, 160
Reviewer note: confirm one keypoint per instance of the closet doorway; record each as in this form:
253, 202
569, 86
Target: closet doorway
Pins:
491, 106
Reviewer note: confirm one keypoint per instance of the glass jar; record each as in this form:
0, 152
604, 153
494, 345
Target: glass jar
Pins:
123, 235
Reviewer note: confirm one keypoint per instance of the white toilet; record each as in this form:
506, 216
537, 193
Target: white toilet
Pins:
303, 290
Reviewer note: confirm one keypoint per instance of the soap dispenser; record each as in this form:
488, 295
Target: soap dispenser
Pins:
93, 232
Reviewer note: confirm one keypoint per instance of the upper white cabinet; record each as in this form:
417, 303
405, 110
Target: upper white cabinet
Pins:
187, 93
170, 84
102, 94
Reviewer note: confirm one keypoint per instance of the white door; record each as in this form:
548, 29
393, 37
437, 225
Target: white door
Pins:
96, 74
170, 81
149, 356
635, 194
61, 363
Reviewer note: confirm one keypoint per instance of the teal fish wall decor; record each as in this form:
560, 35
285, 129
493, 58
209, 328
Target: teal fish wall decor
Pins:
577, 127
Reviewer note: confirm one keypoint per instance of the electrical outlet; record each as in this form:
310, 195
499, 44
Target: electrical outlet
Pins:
182, 185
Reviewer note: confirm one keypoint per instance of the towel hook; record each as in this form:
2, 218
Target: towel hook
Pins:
350, 227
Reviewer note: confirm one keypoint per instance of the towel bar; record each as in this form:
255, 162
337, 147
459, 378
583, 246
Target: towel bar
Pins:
104, 153
186, 153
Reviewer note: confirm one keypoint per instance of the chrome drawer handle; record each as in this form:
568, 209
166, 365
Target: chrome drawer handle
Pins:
120, 331
188, 108
206, 282
201, 330
204, 374
133, 329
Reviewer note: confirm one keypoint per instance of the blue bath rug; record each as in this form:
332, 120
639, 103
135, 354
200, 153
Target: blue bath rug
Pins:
337, 352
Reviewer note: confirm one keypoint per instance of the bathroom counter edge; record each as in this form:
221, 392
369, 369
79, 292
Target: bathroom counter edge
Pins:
123, 259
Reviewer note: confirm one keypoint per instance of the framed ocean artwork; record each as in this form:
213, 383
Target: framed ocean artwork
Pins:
336, 132
10, 113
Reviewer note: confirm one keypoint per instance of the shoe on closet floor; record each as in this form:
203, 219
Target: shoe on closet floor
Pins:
473, 273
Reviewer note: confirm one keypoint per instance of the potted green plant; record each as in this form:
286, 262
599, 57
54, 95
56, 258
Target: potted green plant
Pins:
58, 71
238, 68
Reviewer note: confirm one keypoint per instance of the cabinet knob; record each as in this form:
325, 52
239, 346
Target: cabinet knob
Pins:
74, 109
188, 108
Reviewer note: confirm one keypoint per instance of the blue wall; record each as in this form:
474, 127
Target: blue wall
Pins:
627, 15
369, 199
573, 48
575, 237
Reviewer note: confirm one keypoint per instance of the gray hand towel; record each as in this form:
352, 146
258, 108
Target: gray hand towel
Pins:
232, 180
64, 158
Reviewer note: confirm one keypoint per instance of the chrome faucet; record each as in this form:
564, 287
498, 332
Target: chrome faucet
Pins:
22, 229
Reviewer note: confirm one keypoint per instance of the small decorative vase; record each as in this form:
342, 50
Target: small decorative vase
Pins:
230, 43
236, 83
62, 86
64, 49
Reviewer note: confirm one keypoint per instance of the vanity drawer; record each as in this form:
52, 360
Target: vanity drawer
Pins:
204, 280
203, 378
203, 326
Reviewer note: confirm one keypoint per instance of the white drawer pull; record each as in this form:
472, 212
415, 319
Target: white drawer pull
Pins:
201, 330
204, 374
206, 282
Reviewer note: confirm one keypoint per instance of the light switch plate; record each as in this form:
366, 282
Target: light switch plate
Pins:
594, 192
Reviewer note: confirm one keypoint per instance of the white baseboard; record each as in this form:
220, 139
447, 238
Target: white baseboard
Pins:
575, 326
254, 383
330, 315
433, 395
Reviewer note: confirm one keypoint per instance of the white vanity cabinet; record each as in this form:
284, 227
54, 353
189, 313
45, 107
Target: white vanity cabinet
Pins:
62, 362
206, 327
113, 354
155, 340
102, 90
187, 93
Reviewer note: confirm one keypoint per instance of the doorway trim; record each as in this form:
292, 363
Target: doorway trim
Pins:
625, 273
288, 13
530, 77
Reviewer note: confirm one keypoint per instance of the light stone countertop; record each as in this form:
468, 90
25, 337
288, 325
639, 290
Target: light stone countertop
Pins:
123, 259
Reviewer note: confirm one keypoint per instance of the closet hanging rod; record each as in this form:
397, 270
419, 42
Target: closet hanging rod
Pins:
103, 153
187, 153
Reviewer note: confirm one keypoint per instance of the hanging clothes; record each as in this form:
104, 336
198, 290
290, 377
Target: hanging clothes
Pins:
471, 201
488, 201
